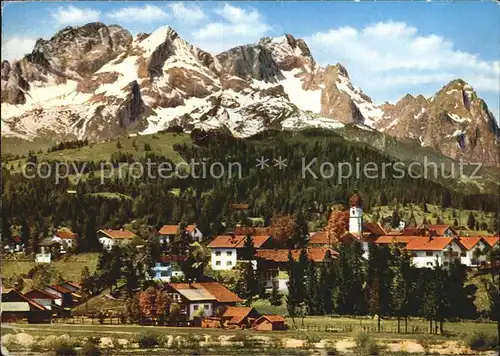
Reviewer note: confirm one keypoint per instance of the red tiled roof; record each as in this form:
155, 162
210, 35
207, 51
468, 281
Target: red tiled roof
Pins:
66, 235
238, 241
319, 238
237, 314
74, 284
118, 234
439, 229
469, 242
413, 231
168, 230
60, 289
429, 244
374, 228
388, 239
250, 230
217, 290
272, 318
316, 254
491, 240
32, 294
221, 293
172, 229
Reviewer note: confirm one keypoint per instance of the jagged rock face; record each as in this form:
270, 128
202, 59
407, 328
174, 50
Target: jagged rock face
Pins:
405, 119
80, 51
336, 103
454, 121
13, 84
289, 52
250, 62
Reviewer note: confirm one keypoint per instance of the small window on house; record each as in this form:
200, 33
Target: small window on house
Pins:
229, 263
206, 306
195, 307
463, 254
229, 253
217, 253
217, 263
428, 253
164, 273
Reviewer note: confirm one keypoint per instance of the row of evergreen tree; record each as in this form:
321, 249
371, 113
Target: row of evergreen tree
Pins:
386, 285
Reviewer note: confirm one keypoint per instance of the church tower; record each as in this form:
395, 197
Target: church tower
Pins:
355, 215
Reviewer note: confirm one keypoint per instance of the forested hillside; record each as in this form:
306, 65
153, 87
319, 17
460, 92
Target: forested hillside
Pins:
35, 205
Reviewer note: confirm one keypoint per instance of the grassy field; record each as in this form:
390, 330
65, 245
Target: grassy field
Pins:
160, 143
433, 211
457, 330
68, 267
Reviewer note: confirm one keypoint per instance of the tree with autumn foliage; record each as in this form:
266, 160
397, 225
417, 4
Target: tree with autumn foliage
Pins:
283, 229
153, 303
338, 225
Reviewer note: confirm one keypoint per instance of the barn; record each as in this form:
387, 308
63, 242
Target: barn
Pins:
270, 322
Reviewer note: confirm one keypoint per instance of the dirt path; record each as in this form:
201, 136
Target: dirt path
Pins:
62, 330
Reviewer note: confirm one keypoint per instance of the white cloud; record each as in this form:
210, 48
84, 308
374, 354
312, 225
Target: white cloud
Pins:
394, 55
17, 47
237, 26
72, 15
142, 14
188, 14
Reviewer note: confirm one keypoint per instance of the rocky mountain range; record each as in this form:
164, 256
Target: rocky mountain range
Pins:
98, 81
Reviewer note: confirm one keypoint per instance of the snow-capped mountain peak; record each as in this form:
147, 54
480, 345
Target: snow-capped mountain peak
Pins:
96, 81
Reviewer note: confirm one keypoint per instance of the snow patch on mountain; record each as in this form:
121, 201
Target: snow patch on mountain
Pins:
304, 99
370, 111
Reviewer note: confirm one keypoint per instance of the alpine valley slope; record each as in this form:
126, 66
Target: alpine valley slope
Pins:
98, 82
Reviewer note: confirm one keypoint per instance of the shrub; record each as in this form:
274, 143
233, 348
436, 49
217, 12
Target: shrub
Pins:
63, 347
147, 340
90, 349
365, 345
36, 347
481, 341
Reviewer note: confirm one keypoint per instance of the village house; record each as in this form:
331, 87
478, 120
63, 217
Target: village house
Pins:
426, 251
44, 298
18, 308
167, 267
167, 233
14, 245
475, 249
239, 317
69, 298
270, 322
48, 249
66, 238
440, 230
109, 238
200, 299
272, 264
492, 241
226, 250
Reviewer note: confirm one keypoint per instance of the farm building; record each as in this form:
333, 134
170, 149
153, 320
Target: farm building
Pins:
270, 322
18, 308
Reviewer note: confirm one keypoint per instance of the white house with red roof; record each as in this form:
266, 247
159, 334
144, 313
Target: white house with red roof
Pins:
475, 249
167, 233
66, 238
224, 249
109, 238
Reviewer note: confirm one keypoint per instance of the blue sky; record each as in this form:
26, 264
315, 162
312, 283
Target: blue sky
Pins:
389, 49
